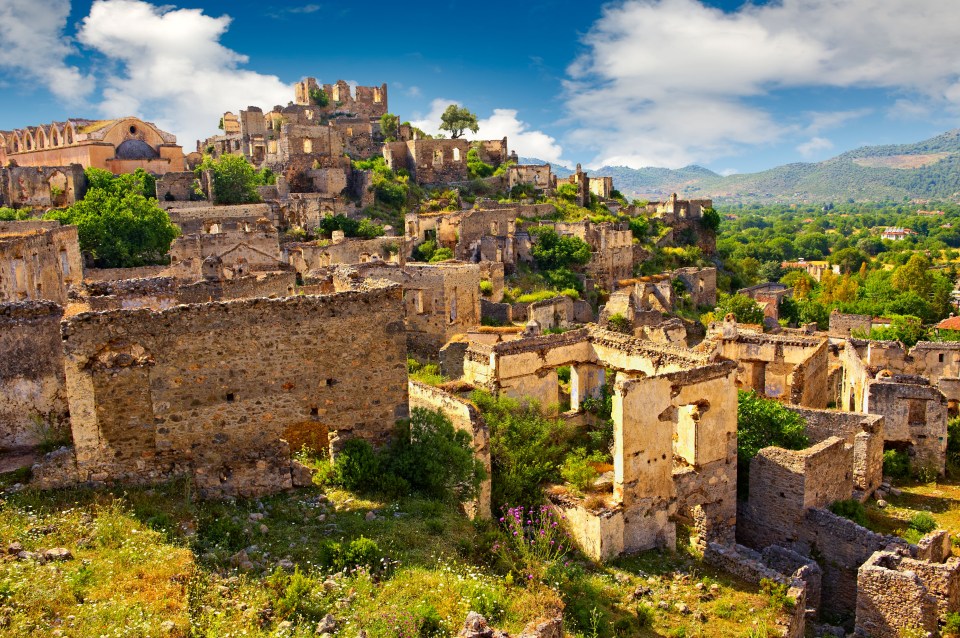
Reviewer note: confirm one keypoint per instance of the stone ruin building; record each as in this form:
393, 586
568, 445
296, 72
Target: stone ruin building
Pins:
119, 146
441, 161
38, 260
41, 186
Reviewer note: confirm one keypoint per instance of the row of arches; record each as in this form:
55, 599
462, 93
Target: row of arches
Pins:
38, 138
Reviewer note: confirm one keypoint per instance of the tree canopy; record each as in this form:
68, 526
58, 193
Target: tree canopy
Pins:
390, 126
235, 181
118, 224
742, 307
457, 120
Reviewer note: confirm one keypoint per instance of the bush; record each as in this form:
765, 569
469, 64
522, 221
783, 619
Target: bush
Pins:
742, 307
235, 180
360, 552
762, 423
851, 509
435, 459
951, 625
578, 469
486, 288
896, 463
441, 254
357, 466
618, 323
953, 441
923, 523
527, 449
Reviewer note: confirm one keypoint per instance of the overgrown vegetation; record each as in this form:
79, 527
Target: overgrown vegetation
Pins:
763, 423
235, 180
118, 221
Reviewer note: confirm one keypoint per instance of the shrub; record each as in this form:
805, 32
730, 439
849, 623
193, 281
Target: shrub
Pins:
360, 552
441, 254
618, 323
953, 441
645, 615
435, 459
357, 466
526, 448
578, 469
951, 625
851, 509
235, 180
486, 288
896, 463
777, 593
761, 423
923, 523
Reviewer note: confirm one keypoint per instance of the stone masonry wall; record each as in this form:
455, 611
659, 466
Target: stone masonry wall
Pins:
222, 391
33, 405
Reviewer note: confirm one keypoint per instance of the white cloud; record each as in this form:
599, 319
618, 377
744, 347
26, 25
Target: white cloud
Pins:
172, 68
430, 123
31, 33
821, 121
668, 82
527, 143
502, 122
814, 146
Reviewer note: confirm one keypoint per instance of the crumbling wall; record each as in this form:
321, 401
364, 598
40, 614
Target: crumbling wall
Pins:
863, 432
41, 187
202, 218
177, 187
553, 313
38, 260
915, 414
701, 284
307, 257
33, 405
216, 390
842, 325
465, 416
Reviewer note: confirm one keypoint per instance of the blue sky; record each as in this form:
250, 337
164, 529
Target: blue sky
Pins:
734, 87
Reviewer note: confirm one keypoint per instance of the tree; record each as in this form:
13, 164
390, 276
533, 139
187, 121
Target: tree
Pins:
710, 219
390, 126
764, 423
457, 119
117, 223
319, 97
235, 181
914, 276
476, 167
849, 259
553, 251
743, 308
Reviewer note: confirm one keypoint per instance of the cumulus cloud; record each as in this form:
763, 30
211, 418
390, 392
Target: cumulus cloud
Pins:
669, 82
33, 44
527, 143
814, 146
171, 68
501, 123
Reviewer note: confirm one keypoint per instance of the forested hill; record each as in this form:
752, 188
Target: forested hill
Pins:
928, 169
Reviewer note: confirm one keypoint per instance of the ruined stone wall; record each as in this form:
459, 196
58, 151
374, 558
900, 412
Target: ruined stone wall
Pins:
248, 250
199, 219
217, 390
913, 413
41, 187
264, 284
842, 325
465, 416
38, 260
440, 300
552, 313
701, 283
476, 224
538, 176
177, 187
864, 432
33, 405
841, 547
434, 161
891, 599
307, 257
785, 483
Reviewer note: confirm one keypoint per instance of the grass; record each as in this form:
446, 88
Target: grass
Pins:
157, 562
940, 499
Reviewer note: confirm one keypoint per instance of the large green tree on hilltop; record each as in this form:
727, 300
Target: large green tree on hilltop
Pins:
457, 120
119, 224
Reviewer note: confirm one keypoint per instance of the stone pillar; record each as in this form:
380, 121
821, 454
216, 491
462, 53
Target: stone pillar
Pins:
586, 380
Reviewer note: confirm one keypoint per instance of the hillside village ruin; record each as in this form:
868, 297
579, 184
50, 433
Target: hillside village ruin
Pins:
221, 364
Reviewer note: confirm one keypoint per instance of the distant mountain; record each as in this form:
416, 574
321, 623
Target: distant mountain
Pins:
927, 169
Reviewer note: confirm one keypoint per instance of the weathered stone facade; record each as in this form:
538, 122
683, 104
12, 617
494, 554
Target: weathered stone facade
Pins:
33, 403
38, 260
223, 391
41, 187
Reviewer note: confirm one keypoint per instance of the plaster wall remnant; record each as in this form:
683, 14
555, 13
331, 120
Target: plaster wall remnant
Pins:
223, 391
38, 260
33, 402
674, 452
